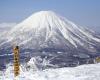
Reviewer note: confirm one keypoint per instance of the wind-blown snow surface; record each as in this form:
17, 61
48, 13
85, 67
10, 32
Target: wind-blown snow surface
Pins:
83, 72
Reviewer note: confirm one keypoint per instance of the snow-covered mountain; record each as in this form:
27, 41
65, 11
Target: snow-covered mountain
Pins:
46, 29
47, 33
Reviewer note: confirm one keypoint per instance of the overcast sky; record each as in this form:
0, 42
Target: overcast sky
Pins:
82, 12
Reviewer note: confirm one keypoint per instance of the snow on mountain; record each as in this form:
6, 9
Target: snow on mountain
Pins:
48, 34
46, 29
83, 72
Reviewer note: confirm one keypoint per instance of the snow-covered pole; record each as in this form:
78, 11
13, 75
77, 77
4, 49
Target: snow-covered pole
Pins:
16, 60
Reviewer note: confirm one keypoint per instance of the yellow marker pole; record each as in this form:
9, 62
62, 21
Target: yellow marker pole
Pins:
16, 61
98, 59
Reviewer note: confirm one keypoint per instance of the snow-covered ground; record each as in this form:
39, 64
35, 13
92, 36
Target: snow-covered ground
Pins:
83, 72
